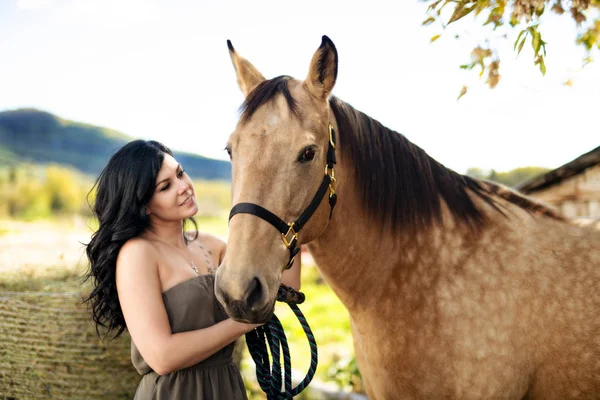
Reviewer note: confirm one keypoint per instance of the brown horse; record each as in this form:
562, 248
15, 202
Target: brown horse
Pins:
457, 288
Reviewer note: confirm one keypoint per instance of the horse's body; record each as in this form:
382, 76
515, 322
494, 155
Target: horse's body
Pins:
456, 288
513, 310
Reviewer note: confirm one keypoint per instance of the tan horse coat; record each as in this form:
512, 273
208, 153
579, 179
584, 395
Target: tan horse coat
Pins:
508, 309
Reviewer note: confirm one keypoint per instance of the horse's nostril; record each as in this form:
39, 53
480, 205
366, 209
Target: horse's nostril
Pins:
255, 292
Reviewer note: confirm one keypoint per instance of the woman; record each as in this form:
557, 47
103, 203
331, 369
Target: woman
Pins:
157, 281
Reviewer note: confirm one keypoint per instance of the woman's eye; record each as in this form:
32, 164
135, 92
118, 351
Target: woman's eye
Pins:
228, 150
308, 154
165, 187
180, 174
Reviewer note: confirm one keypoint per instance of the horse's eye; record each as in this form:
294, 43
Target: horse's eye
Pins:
307, 155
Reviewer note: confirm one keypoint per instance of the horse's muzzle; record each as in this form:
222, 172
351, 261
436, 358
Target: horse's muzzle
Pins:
239, 312
252, 304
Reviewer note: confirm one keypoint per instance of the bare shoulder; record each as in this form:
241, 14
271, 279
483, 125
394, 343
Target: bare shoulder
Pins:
137, 255
137, 247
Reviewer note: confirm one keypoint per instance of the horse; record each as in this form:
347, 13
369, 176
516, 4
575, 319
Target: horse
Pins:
457, 288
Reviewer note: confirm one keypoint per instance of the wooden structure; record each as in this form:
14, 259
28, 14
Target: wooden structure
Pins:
573, 189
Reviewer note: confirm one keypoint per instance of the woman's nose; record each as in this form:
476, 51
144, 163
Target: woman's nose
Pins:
184, 187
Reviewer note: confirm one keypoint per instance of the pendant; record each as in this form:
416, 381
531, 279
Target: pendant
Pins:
194, 267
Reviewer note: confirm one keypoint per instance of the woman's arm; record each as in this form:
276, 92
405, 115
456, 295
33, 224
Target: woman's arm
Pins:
140, 296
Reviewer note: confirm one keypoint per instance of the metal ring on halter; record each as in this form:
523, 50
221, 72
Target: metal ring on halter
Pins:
293, 240
332, 175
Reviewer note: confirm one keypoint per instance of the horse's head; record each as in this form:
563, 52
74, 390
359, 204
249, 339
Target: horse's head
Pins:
279, 153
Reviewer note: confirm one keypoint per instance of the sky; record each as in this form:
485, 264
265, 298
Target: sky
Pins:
161, 70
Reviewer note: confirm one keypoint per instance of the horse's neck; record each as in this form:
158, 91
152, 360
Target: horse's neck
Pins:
358, 261
342, 252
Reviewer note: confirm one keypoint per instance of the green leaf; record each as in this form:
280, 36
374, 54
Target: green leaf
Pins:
434, 38
519, 37
540, 10
542, 66
433, 5
482, 69
521, 45
467, 66
428, 21
536, 41
443, 5
532, 29
481, 5
463, 91
460, 11
490, 19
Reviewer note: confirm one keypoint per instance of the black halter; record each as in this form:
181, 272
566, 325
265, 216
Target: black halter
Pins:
289, 231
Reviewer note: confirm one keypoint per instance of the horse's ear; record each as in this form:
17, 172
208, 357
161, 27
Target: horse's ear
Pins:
248, 76
323, 70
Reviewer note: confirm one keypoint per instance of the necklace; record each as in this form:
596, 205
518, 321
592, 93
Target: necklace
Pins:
192, 265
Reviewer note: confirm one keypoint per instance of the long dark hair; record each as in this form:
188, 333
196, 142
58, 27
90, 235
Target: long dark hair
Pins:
123, 190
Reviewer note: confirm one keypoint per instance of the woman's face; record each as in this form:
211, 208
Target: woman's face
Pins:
174, 197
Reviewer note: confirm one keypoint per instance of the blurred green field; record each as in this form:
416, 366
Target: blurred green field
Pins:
31, 192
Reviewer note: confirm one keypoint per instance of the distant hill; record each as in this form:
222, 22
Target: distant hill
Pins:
29, 135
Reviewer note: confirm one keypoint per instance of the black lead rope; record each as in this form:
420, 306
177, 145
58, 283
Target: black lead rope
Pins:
271, 335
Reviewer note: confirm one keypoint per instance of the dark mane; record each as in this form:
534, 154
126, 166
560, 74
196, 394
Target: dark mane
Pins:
400, 183
266, 91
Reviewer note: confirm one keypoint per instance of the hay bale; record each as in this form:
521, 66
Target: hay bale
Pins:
49, 349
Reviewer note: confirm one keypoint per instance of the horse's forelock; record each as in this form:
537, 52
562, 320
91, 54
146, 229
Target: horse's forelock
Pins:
265, 92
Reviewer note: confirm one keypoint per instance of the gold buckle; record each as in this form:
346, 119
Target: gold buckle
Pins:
332, 180
284, 237
331, 136
332, 176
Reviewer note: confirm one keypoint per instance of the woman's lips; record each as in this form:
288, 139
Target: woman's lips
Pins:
188, 200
